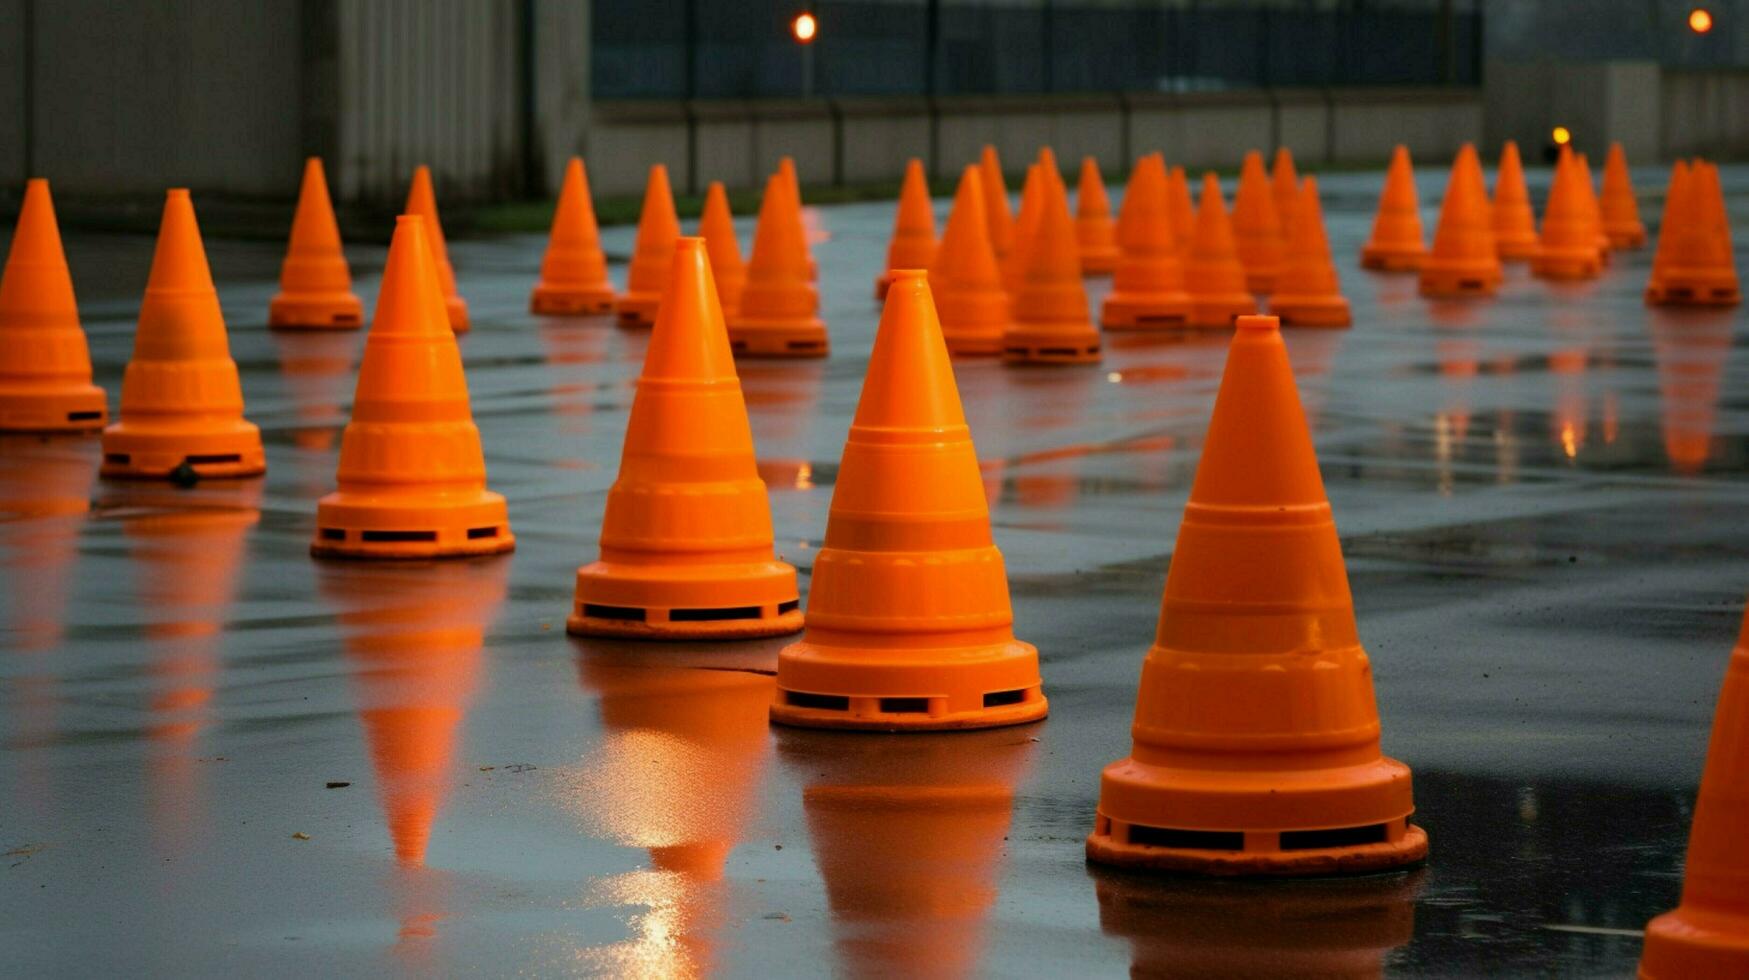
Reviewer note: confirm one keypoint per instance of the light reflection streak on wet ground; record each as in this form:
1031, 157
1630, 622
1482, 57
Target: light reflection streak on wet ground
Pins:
1541, 499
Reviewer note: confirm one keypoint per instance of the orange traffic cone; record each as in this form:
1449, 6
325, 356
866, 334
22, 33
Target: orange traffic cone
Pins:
412, 477
1708, 934
779, 311
1212, 272
181, 401
1182, 209
1694, 264
1051, 320
1256, 226
315, 284
1593, 209
1621, 212
909, 626
1025, 228
1284, 191
717, 227
573, 275
686, 543
996, 213
1463, 261
964, 277
1515, 234
1147, 290
913, 242
45, 365
1307, 293
413, 639
1396, 244
786, 168
647, 274
422, 201
1094, 232
1256, 734
1568, 246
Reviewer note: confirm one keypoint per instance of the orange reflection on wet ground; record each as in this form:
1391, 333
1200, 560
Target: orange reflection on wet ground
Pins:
1691, 351
677, 773
1337, 929
910, 834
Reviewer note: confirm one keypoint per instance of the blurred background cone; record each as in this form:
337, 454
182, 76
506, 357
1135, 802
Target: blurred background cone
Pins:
909, 624
1284, 192
1025, 228
716, 225
1708, 934
1256, 226
45, 365
315, 283
1694, 264
1182, 209
1463, 262
1307, 293
412, 477
1621, 210
1593, 209
1147, 289
1567, 248
913, 243
1256, 737
1094, 231
573, 273
647, 273
779, 312
422, 201
686, 542
965, 279
1213, 274
1051, 320
996, 212
181, 401
1515, 234
1396, 244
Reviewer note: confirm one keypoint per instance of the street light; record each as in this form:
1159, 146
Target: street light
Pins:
1700, 20
804, 28
1562, 136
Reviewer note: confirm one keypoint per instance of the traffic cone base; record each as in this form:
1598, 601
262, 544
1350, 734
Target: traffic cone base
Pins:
319, 311
412, 476
1311, 311
1697, 289
1695, 943
909, 622
1267, 852
45, 363
139, 450
565, 301
181, 400
389, 526
939, 689
1035, 343
1255, 743
1566, 263
1166, 311
627, 605
757, 336
1391, 258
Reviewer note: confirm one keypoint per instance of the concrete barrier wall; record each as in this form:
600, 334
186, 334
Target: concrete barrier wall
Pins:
1705, 114
869, 140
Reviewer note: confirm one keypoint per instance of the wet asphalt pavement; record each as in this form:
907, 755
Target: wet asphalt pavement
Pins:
219, 756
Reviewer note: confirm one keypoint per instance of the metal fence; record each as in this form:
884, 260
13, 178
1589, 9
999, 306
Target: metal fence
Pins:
672, 49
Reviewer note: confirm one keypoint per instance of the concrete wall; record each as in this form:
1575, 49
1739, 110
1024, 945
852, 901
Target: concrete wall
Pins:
131, 98
1705, 114
1600, 102
867, 140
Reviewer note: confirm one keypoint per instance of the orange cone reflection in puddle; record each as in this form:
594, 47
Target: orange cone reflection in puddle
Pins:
413, 636
909, 836
188, 548
45, 494
567, 351
318, 370
1691, 352
1329, 929
678, 773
